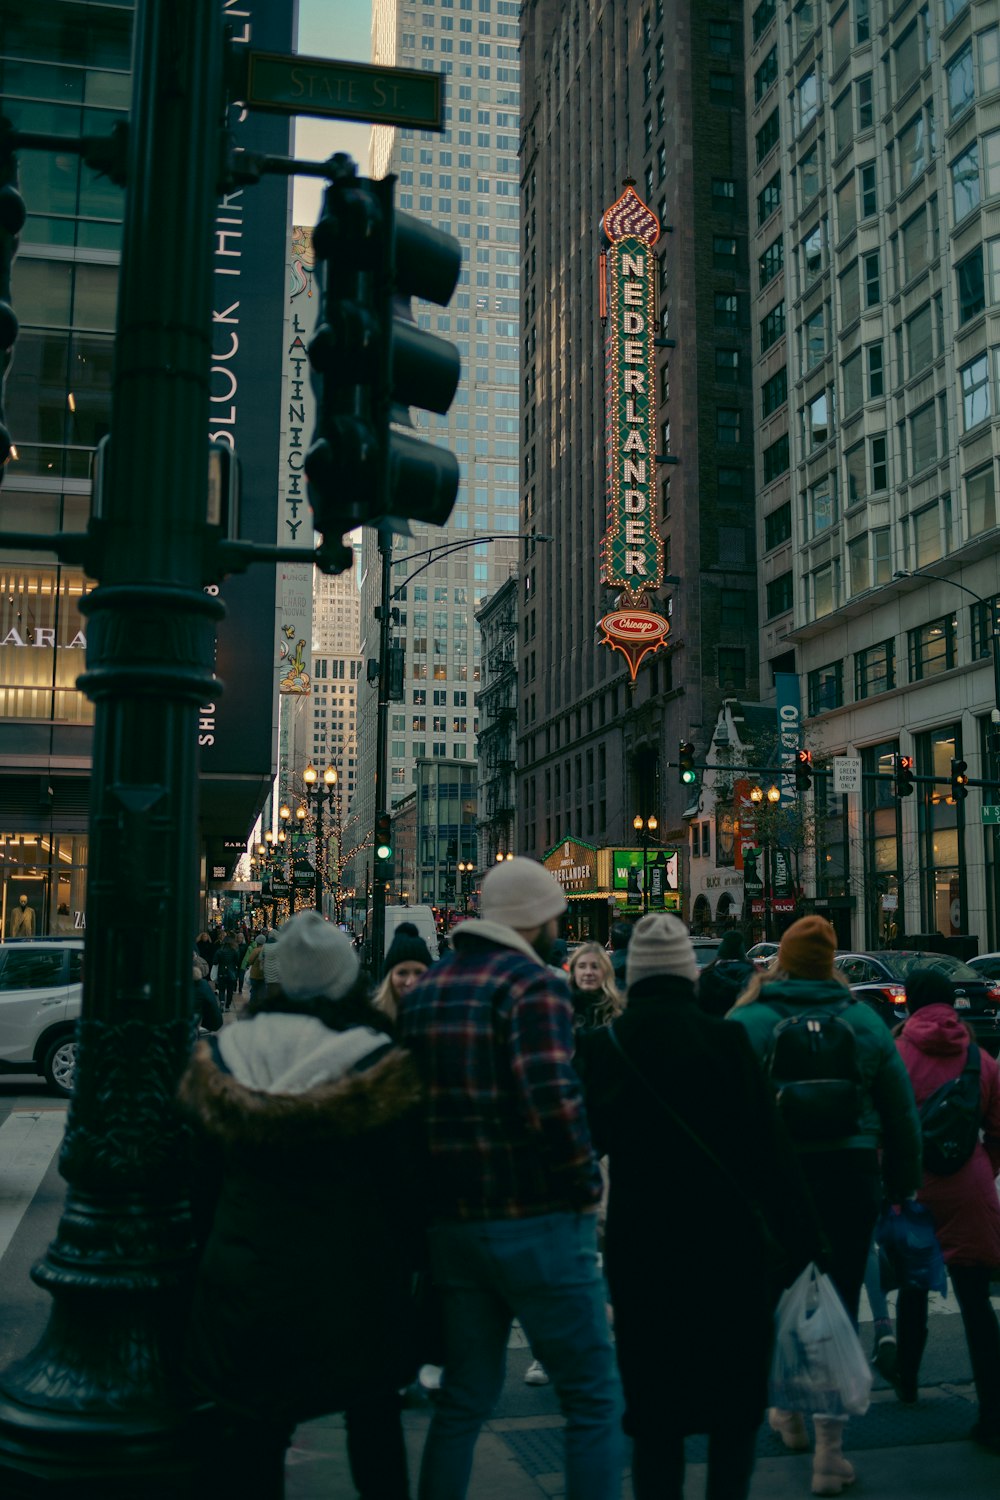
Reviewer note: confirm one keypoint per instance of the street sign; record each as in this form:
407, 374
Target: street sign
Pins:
288, 84
989, 813
846, 774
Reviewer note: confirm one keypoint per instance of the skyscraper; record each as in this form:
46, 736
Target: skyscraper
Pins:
875, 196
464, 180
650, 93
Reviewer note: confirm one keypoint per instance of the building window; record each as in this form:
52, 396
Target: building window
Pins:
762, 18
774, 392
854, 391
821, 505
980, 500
723, 192
923, 437
855, 465
826, 688
771, 262
965, 190
847, 208
808, 173
772, 326
766, 75
863, 100
722, 89
726, 310
975, 379
850, 294
769, 199
722, 39
971, 285
983, 620
732, 667
869, 191
816, 419
767, 136
919, 341
727, 365
815, 327
727, 425
813, 255
880, 463
873, 280
778, 526
724, 250
932, 648
874, 670
926, 525
876, 372
776, 458
825, 589
806, 100
960, 83
779, 595
733, 612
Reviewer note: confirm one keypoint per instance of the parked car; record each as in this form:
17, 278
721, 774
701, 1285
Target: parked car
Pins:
761, 954
987, 964
41, 991
880, 980
705, 949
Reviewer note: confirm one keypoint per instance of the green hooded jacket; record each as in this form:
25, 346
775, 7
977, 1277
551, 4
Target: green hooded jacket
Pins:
889, 1112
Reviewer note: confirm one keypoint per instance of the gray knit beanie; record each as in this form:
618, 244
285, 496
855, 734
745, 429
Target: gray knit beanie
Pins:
310, 957
522, 894
660, 945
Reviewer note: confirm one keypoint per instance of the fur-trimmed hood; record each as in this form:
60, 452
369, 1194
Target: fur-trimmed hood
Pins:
343, 1105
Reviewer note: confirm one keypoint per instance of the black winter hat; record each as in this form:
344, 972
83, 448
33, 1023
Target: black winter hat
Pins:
407, 947
928, 987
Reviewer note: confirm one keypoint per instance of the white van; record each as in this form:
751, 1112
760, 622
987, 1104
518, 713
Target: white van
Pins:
422, 918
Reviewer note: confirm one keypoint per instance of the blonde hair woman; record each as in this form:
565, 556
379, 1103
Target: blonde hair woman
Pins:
596, 997
406, 961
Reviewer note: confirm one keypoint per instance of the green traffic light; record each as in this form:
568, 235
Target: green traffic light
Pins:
384, 851
688, 777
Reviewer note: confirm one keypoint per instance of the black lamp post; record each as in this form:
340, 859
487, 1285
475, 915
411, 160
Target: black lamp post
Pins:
465, 870
646, 829
322, 797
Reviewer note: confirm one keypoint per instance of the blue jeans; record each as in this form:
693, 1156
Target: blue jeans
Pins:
544, 1272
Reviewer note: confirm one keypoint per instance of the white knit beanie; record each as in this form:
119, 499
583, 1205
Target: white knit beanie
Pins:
310, 957
522, 894
660, 945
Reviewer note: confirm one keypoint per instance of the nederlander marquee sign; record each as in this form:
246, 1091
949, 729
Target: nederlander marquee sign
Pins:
631, 550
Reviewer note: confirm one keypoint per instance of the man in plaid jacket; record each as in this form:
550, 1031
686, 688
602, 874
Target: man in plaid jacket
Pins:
514, 1185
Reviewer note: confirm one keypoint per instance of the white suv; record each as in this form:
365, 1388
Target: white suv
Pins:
41, 991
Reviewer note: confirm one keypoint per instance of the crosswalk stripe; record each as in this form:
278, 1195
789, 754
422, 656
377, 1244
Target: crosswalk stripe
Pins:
28, 1141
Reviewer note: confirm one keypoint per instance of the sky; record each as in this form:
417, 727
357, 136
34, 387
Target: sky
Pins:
336, 29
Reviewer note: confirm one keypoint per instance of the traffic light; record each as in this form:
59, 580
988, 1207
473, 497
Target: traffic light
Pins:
803, 770
685, 763
903, 783
959, 780
371, 361
383, 838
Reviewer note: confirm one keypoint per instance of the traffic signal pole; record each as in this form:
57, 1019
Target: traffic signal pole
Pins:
99, 1406
381, 750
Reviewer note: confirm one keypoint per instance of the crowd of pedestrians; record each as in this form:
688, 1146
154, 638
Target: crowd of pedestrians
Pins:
627, 1157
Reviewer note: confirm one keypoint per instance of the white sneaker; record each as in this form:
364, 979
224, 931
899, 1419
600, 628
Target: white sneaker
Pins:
535, 1374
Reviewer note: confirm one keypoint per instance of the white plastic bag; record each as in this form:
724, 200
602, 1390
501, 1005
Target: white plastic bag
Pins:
818, 1365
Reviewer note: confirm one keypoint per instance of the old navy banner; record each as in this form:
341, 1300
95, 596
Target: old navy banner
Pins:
789, 712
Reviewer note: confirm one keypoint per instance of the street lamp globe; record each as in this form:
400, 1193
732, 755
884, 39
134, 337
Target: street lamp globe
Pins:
756, 794
300, 812
284, 812
309, 774
269, 837
261, 850
330, 776
282, 835
637, 823
773, 794
509, 854
651, 823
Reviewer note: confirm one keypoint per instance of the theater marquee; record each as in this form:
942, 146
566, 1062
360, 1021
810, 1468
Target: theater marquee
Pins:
631, 550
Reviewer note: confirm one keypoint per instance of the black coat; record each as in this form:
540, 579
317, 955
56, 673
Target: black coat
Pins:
721, 983
688, 1269
303, 1297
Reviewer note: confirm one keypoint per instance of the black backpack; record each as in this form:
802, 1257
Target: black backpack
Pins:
813, 1067
949, 1120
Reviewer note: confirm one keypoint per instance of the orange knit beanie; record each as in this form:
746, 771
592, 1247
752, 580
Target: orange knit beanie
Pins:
807, 948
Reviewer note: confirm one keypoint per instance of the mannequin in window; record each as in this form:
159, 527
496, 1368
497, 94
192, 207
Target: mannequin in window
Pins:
22, 923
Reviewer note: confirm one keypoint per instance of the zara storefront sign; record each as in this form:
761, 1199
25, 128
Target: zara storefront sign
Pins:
45, 637
631, 549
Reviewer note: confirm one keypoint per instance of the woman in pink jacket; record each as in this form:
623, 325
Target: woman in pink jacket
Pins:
965, 1206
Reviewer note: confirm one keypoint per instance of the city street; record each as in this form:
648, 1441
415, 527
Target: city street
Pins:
916, 1453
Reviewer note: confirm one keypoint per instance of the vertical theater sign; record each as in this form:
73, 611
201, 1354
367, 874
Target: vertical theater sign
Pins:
631, 550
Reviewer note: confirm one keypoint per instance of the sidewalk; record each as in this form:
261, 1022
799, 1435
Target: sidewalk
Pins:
914, 1453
